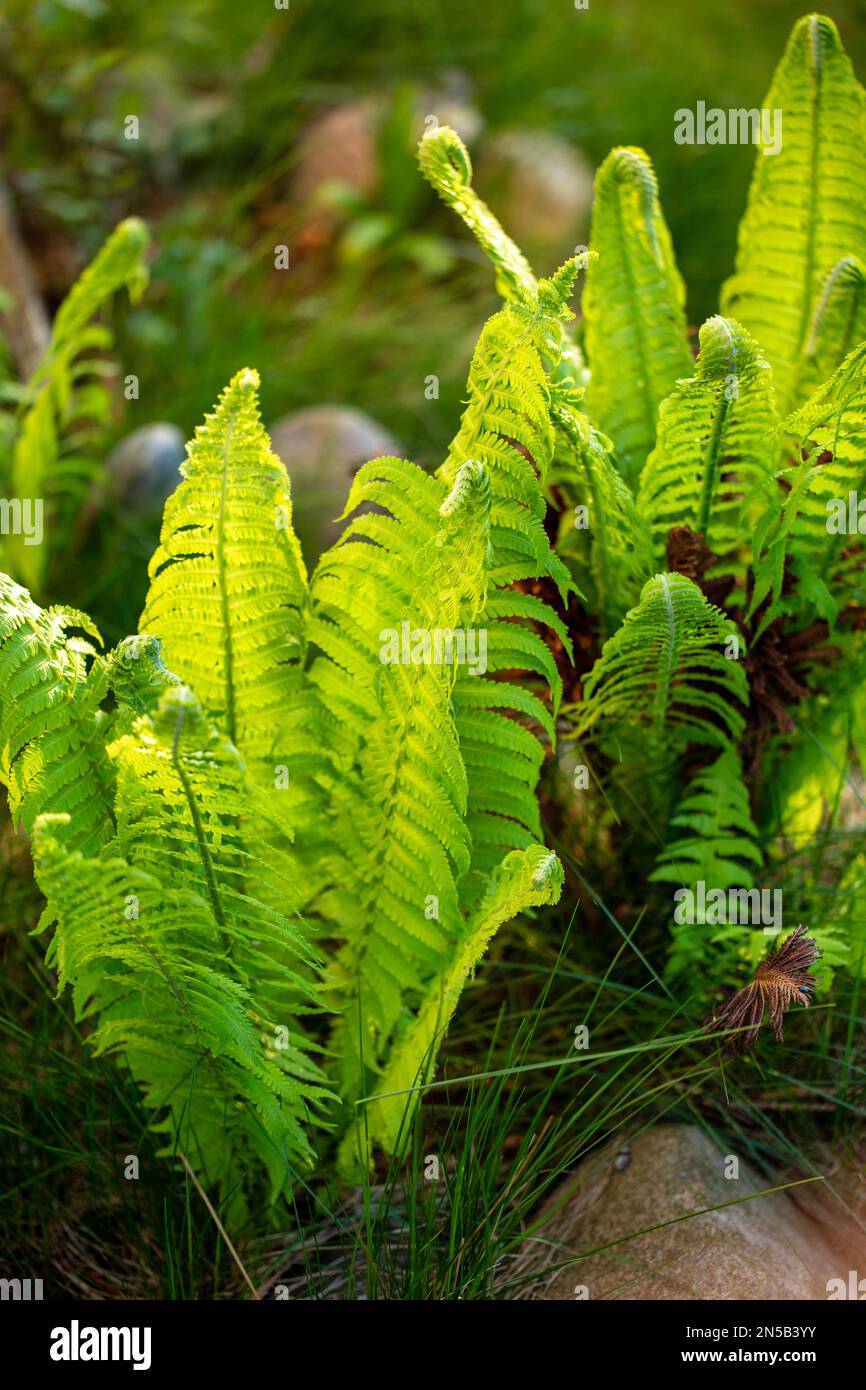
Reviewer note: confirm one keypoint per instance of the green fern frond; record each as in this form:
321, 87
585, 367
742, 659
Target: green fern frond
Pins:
838, 325
143, 958
65, 391
662, 679
138, 676
807, 203
184, 807
633, 306
612, 553
445, 164
507, 427
716, 445
396, 582
830, 430
228, 586
714, 843
52, 755
529, 878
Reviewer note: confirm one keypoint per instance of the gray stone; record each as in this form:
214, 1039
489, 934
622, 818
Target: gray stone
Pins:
541, 189
323, 447
765, 1247
144, 468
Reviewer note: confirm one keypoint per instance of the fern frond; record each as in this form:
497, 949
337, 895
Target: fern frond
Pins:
52, 755
507, 427
65, 390
633, 306
529, 878
613, 553
662, 679
838, 325
830, 430
445, 164
807, 202
143, 957
714, 843
138, 676
716, 445
228, 587
395, 581
184, 808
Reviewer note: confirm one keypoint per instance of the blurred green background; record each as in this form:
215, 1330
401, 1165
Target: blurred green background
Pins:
261, 126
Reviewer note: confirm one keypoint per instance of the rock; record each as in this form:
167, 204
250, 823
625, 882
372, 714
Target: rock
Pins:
341, 146
144, 468
540, 188
838, 1205
763, 1248
323, 447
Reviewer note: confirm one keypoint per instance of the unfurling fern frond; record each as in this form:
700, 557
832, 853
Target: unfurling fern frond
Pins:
145, 959
715, 844
716, 446
507, 427
65, 395
228, 585
633, 305
663, 678
807, 203
52, 755
445, 163
526, 878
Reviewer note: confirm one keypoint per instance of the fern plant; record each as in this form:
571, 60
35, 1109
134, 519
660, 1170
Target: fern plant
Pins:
736, 491
721, 717
49, 453
278, 827
254, 794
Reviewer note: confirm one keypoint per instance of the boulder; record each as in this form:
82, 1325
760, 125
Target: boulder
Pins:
342, 145
540, 188
144, 468
323, 447
339, 147
642, 1208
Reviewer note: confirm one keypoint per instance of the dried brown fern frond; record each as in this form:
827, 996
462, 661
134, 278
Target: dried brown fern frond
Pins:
781, 979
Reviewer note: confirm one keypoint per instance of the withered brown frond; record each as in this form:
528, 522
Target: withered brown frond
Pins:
781, 979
